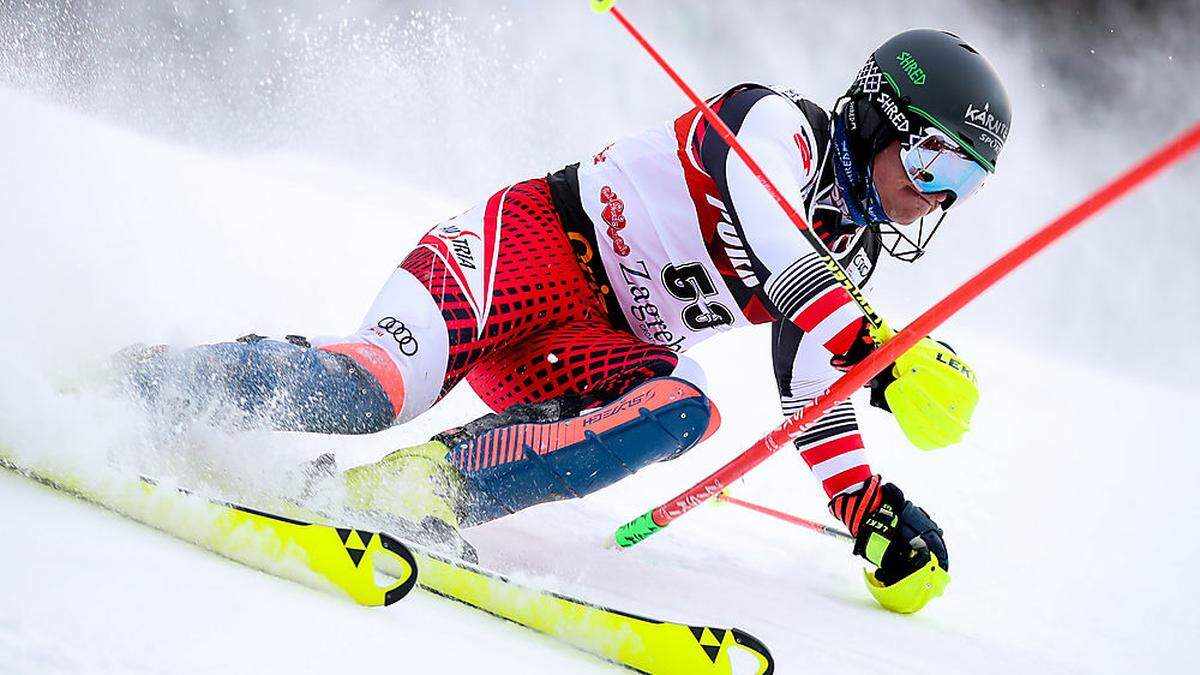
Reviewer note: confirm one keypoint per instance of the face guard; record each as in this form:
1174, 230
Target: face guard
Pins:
900, 245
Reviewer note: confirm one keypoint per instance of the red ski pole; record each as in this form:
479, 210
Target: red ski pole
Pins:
820, 528
656, 519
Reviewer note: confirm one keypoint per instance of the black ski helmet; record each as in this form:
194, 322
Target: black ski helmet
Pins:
917, 80
927, 77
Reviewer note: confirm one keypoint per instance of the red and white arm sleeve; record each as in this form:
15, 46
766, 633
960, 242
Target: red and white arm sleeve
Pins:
833, 450
832, 447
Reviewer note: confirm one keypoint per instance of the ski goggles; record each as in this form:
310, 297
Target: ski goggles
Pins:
935, 163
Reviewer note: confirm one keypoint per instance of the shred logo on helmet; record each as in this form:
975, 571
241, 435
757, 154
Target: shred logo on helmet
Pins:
894, 113
945, 104
911, 68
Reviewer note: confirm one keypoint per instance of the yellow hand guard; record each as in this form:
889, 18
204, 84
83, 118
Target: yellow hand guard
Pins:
912, 593
933, 396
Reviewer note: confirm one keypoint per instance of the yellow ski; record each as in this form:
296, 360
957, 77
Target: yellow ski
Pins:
639, 643
346, 560
325, 557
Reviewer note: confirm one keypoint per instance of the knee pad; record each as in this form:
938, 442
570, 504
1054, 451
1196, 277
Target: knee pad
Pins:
512, 466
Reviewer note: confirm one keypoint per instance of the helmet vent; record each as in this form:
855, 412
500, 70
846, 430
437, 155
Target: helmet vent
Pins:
968, 47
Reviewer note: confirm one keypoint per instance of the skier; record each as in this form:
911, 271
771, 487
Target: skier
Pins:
566, 302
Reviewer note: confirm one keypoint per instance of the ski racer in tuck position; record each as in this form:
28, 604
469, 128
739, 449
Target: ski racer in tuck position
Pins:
567, 301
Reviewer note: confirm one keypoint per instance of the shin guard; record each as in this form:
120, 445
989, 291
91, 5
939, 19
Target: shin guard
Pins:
531, 454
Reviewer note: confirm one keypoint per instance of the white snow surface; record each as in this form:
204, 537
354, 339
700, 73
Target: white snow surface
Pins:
1067, 510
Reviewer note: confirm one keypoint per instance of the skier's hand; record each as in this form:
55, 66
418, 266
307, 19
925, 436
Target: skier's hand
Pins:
899, 538
931, 391
889, 531
865, 342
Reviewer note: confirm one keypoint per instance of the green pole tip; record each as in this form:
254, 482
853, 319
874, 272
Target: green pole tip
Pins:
602, 6
637, 529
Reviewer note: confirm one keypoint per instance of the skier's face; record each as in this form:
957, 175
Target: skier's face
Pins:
901, 200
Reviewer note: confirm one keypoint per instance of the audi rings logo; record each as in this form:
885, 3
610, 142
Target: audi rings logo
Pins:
401, 334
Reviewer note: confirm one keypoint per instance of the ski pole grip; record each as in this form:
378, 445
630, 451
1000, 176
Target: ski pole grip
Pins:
637, 529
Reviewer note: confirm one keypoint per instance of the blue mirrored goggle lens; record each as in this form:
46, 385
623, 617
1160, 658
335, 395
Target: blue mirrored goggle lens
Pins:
937, 164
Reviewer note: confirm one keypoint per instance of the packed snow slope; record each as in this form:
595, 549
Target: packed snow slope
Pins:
265, 165
1065, 509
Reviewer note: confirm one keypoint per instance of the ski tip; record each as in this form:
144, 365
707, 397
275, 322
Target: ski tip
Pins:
748, 643
406, 583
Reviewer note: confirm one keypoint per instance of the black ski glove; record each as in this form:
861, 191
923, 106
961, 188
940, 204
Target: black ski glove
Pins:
890, 531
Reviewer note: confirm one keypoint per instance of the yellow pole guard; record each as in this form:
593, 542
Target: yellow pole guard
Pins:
602, 6
913, 592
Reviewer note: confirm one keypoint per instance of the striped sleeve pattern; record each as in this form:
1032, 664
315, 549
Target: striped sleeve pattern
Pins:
808, 295
833, 450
